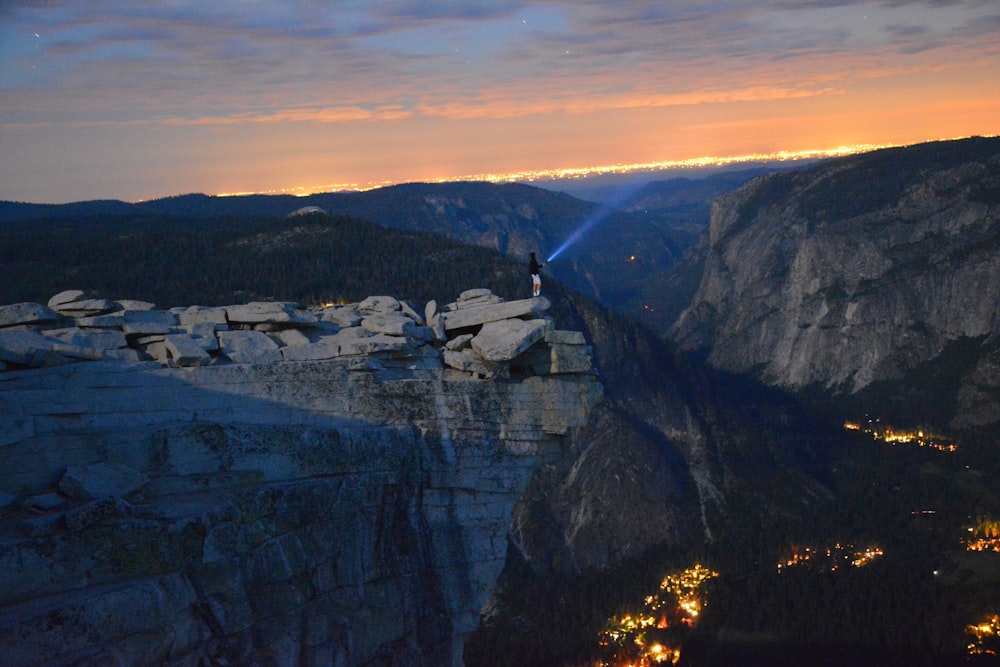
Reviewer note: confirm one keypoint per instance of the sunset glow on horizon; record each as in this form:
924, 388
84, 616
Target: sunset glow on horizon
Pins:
567, 173
146, 100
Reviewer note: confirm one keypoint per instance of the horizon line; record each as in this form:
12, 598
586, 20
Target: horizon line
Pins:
573, 173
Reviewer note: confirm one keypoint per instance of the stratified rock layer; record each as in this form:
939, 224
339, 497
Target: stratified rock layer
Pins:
347, 510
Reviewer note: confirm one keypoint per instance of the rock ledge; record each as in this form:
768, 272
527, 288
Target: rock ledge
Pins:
266, 484
479, 333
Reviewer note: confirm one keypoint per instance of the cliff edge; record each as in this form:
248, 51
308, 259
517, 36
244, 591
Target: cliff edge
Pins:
875, 271
265, 484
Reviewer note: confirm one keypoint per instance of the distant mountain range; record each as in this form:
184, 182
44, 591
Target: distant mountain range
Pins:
624, 260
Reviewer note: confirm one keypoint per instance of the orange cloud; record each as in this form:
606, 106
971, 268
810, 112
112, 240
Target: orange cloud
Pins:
301, 115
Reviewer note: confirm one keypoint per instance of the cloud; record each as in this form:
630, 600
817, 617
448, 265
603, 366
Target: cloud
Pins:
226, 58
410, 69
303, 115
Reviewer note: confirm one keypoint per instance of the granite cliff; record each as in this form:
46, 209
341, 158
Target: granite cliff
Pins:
265, 484
874, 274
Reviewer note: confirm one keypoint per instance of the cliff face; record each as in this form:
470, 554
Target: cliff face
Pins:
857, 271
341, 508
673, 455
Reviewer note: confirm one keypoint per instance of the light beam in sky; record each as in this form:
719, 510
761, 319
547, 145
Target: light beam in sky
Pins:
597, 217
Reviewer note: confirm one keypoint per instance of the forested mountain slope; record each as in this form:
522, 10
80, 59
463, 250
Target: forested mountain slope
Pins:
623, 259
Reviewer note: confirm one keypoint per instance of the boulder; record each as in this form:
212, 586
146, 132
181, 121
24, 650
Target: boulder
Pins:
200, 315
378, 304
437, 326
408, 310
260, 312
344, 316
27, 313
146, 322
392, 324
350, 333
475, 293
185, 350
86, 307
459, 342
473, 298
248, 347
157, 349
504, 340
205, 333
293, 337
271, 327
100, 480
133, 304
66, 296
476, 315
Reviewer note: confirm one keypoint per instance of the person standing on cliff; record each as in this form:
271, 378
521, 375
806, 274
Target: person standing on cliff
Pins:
536, 279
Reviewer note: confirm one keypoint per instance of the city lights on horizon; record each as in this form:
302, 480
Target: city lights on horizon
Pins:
567, 173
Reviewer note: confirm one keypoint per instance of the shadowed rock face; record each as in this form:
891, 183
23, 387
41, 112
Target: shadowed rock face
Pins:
345, 510
856, 271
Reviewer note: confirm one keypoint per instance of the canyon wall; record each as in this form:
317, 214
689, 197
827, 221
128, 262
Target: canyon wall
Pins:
324, 505
858, 270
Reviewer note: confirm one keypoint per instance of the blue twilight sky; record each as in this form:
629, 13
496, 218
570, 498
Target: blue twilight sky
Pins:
136, 100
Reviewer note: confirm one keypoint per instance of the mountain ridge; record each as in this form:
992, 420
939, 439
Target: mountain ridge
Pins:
623, 258
855, 272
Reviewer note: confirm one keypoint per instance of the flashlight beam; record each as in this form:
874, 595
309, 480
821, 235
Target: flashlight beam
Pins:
579, 232
598, 216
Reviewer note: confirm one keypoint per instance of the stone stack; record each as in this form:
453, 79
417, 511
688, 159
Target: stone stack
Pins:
479, 333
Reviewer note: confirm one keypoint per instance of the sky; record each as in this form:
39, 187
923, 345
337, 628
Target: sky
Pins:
141, 100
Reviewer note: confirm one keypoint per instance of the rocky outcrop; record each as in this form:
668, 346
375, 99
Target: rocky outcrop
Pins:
267, 484
74, 327
855, 271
